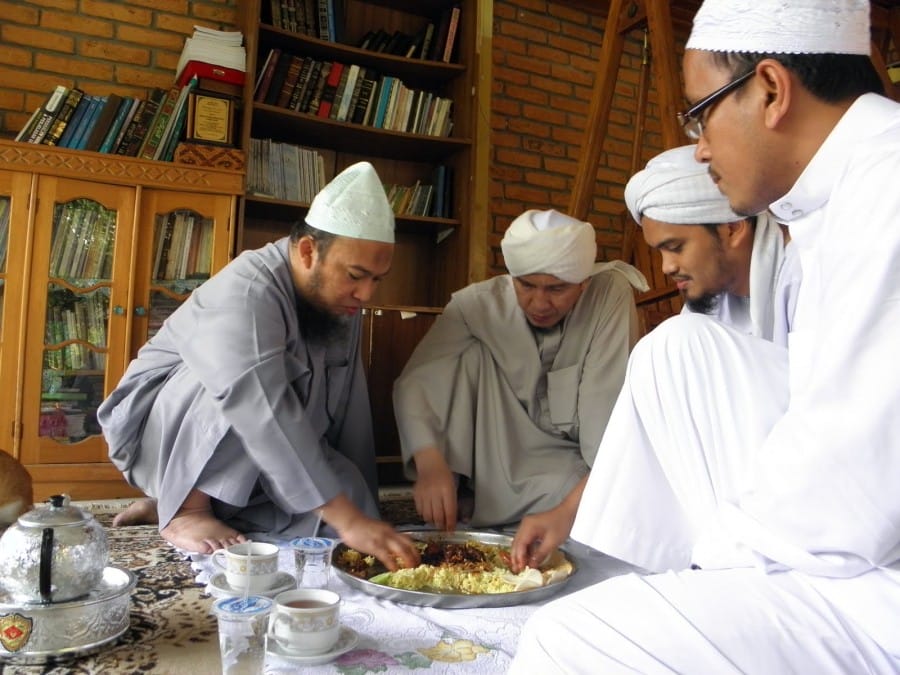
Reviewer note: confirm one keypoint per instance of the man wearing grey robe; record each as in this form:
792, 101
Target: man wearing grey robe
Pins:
248, 411
511, 388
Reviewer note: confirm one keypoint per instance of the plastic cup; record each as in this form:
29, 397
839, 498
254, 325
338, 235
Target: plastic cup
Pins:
243, 632
312, 559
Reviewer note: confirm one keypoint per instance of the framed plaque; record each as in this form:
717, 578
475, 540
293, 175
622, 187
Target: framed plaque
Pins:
210, 118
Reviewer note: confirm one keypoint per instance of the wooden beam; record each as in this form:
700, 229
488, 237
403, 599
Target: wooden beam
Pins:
666, 71
598, 113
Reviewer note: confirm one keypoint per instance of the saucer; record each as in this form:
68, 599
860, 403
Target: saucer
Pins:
346, 641
219, 587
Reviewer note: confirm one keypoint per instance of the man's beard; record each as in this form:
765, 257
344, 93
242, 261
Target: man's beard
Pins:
705, 304
318, 324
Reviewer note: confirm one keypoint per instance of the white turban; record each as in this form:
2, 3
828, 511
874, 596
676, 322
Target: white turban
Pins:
782, 27
354, 204
549, 242
675, 188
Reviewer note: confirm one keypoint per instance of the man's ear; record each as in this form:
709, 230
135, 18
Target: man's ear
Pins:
738, 233
308, 251
778, 85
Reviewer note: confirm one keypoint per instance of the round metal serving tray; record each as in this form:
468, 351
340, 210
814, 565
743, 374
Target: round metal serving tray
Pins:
34, 633
453, 600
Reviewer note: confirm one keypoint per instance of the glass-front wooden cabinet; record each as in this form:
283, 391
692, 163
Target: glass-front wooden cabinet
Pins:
15, 193
95, 253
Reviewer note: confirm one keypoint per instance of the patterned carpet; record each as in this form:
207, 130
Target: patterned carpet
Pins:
170, 619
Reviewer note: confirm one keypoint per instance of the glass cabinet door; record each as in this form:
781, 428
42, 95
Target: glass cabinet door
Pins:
188, 242
81, 264
15, 191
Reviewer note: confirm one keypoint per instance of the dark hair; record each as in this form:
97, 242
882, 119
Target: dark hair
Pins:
829, 77
323, 239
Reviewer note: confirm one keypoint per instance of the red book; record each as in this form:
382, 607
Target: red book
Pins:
211, 71
328, 93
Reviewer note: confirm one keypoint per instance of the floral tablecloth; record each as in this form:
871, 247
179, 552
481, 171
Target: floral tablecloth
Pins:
398, 638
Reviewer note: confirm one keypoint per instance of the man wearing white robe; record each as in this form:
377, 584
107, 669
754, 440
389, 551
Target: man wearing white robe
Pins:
511, 388
735, 268
759, 485
248, 411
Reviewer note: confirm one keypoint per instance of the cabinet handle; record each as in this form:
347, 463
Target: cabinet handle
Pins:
140, 311
377, 312
118, 309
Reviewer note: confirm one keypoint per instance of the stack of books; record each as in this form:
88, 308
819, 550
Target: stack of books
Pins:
214, 47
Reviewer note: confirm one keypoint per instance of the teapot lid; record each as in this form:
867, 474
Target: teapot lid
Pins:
57, 513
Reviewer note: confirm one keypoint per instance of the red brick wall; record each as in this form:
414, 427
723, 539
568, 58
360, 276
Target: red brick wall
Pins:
544, 58
125, 47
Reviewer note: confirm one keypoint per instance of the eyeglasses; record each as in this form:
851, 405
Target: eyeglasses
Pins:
691, 120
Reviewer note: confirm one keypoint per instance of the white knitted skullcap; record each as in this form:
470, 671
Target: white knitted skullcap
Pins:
782, 27
354, 205
675, 188
549, 242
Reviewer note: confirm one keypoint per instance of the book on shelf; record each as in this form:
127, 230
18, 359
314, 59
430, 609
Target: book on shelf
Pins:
339, 92
210, 73
80, 137
140, 125
47, 114
125, 108
330, 89
309, 87
354, 85
158, 126
175, 127
103, 122
427, 39
440, 36
366, 86
278, 77
302, 83
292, 74
66, 111
452, 30
215, 47
264, 78
128, 126
316, 98
25, 131
322, 19
385, 91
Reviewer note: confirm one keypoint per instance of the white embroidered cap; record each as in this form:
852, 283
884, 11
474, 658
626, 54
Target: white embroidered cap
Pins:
675, 188
550, 242
782, 27
354, 204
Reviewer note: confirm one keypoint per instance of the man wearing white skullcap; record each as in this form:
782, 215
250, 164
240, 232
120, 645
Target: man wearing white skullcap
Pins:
732, 267
508, 393
247, 414
758, 485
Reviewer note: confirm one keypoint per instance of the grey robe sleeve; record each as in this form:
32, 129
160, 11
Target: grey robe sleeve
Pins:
616, 332
422, 397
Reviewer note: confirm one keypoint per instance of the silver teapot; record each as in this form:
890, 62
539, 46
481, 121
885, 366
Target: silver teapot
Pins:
53, 553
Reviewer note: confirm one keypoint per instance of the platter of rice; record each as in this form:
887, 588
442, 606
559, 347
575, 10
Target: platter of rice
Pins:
467, 568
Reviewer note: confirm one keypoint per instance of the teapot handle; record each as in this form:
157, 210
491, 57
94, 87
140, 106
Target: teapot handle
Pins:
46, 562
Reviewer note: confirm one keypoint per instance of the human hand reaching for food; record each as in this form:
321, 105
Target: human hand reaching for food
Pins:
539, 534
369, 535
434, 491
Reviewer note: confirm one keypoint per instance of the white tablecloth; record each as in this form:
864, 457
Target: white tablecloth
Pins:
398, 638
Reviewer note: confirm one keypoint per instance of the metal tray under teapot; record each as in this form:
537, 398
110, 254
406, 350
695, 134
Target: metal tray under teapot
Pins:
35, 633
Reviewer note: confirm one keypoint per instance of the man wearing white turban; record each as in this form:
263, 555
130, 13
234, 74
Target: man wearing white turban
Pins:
735, 268
509, 392
758, 485
247, 413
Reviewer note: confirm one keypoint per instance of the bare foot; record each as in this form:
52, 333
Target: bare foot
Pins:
199, 531
139, 512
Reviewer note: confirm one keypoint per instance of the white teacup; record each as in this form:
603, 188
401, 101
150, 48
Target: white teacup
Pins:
251, 566
306, 621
